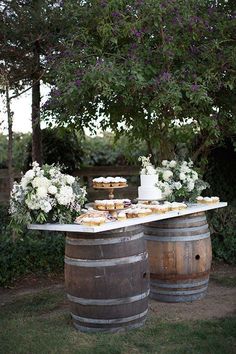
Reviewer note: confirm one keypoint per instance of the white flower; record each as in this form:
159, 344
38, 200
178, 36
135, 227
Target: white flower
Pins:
177, 185
184, 168
167, 175
41, 182
70, 179
194, 175
164, 163
24, 182
45, 206
182, 176
29, 174
167, 189
172, 163
42, 192
150, 170
52, 190
35, 164
190, 186
65, 195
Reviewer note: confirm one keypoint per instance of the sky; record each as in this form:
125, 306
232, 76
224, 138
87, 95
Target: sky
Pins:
22, 112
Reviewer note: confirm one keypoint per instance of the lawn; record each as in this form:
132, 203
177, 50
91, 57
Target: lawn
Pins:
41, 324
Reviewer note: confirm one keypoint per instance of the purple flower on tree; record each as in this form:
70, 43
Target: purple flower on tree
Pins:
78, 83
55, 92
195, 87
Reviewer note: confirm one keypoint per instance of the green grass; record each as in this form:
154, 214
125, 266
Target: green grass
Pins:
42, 324
224, 280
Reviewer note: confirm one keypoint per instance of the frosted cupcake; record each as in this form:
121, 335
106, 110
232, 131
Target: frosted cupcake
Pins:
110, 205
121, 216
100, 204
118, 203
123, 182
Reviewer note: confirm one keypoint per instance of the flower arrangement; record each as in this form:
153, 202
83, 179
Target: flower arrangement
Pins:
44, 194
178, 180
147, 166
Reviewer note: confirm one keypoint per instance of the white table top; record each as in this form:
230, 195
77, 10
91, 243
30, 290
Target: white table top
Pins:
192, 208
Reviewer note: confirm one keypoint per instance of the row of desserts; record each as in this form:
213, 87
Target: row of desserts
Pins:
107, 182
112, 204
207, 200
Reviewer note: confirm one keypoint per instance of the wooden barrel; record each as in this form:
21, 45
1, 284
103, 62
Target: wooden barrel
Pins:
107, 279
179, 258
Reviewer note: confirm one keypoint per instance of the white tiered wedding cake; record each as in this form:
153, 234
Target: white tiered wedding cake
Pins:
148, 178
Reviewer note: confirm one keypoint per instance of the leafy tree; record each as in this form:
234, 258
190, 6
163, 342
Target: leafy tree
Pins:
30, 30
160, 70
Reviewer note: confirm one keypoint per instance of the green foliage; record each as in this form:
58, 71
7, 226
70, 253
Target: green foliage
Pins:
223, 232
106, 150
160, 71
33, 252
61, 146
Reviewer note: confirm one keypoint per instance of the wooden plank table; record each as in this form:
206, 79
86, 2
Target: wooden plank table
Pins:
191, 209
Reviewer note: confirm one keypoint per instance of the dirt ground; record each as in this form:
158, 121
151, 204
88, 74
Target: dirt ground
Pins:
219, 302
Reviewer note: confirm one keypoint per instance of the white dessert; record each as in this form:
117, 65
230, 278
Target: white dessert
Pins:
148, 190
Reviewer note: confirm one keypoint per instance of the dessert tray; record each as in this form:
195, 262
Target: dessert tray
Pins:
111, 190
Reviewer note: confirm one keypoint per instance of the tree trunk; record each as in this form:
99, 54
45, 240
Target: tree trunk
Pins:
36, 129
10, 141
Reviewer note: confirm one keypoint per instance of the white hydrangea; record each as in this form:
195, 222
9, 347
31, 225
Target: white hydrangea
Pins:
182, 176
194, 175
65, 195
45, 206
167, 175
41, 182
70, 179
24, 182
172, 163
177, 185
167, 189
42, 192
52, 190
190, 186
29, 174
165, 163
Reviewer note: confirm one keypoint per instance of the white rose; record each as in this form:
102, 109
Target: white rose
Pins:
164, 163
24, 182
46, 206
29, 174
52, 190
167, 175
177, 185
190, 186
172, 163
42, 192
182, 176
70, 179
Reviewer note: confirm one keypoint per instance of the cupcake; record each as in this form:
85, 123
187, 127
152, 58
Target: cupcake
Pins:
116, 182
215, 199
118, 204
121, 216
123, 182
93, 221
110, 205
199, 199
100, 204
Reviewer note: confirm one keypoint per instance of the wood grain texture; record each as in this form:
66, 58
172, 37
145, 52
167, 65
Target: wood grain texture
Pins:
179, 257
111, 292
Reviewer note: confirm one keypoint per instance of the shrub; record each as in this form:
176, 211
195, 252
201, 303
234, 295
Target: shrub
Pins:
223, 232
34, 252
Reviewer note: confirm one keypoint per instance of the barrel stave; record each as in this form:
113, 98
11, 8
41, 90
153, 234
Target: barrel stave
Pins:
107, 279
